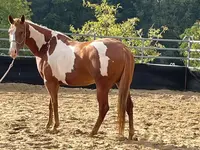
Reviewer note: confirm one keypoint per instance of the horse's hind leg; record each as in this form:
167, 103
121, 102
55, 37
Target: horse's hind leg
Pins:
102, 97
52, 87
129, 110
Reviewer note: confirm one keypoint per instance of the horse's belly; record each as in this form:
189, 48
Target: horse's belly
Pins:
79, 79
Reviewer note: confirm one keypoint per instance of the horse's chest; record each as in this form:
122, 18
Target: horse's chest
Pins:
61, 60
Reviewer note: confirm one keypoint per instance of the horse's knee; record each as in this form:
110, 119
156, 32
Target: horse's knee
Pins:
50, 105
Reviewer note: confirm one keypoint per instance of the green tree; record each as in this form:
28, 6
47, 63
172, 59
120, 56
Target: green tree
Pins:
192, 33
59, 14
16, 8
105, 25
175, 14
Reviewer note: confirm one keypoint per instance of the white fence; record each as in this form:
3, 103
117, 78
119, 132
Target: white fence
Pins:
142, 48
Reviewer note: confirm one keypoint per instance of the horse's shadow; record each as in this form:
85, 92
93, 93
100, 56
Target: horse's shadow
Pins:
160, 146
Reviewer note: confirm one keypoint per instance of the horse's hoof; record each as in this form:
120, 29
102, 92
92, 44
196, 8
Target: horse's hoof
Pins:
54, 131
130, 137
47, 130
49, 125
92, 134
121, 138
135, 139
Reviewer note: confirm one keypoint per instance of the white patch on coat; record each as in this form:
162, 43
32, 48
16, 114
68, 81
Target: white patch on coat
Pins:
53, 33
61, 60
101, 49
45, 80
38, 59
12, 38
37, 36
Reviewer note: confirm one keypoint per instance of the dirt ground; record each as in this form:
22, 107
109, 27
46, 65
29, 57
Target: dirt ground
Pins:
163, 119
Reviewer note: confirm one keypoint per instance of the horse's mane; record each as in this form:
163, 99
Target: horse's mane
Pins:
28, 21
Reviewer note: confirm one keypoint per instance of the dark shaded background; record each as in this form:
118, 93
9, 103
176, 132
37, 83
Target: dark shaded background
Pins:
150, 77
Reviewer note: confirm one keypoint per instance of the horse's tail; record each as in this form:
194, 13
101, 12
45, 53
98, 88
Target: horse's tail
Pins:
124, 88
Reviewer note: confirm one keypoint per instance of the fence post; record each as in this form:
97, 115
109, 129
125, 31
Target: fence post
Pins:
142, 49
188, 61
95, 36
188, 52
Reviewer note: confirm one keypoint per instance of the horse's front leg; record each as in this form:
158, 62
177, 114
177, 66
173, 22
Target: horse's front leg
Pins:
50, 121
52, 87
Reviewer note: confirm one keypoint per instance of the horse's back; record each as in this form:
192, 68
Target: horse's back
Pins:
105, 57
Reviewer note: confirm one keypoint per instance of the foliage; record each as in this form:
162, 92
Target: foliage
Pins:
105, 25
59, 14
192, 33
15, 8
177, 15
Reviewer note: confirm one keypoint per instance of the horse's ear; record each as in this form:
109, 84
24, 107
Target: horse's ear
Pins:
10, 19
22, 19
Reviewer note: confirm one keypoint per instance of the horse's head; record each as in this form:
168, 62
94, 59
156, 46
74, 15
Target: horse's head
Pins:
17, 35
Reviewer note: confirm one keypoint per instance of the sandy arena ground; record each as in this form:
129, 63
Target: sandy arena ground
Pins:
163, 119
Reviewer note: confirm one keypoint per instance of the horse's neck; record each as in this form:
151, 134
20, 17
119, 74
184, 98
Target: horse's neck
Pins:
36, 38
39, 36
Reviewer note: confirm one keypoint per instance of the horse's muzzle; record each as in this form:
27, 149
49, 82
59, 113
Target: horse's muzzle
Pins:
13, 53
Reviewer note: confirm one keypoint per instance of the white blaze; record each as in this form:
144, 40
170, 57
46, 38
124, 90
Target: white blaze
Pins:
12, 38
61, 60
37, 36
101, 49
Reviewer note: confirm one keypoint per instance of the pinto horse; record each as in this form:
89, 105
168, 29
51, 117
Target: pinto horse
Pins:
62, 60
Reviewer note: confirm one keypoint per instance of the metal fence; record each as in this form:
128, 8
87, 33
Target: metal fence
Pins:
188, 40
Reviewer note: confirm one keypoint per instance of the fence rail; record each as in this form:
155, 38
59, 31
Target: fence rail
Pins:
141, 49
